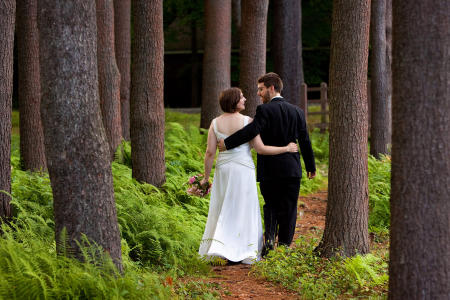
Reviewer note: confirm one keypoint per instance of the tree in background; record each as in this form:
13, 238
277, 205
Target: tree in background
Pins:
253, 51
147, 102
216, 59
122, 31
419, 265
7, 18
287, 47
379, 131
32, 152
346, 228
389, 67
108, 74
236, 18
76, 146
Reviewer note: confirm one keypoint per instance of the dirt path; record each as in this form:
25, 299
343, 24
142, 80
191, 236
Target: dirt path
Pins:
235, 280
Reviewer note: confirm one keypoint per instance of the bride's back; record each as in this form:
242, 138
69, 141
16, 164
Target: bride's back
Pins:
230, 123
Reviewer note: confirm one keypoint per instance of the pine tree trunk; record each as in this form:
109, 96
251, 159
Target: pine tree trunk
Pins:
108, 74
389, 70
420, 208
32, 152
76, 145
287, 47
379, 131
195, 67
122, 29
147, 98
236, 16
346, 229
216, 59
7, 19
253, 51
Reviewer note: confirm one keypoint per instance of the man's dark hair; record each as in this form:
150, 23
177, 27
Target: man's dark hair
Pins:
270, 79
229, 99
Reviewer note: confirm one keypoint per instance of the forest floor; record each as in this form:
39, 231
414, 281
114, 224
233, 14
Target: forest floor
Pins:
236, 282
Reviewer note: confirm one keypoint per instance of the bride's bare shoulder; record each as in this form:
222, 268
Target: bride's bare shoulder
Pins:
250, 119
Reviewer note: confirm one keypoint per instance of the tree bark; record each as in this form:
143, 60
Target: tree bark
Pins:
379, 131
237, 21
32, 152
287, 47
108, 74
346, 228
389, 70
420, 208
76, 146
147, 98
7, 19
236, 14
195, 67
122, 29
216, 59
253, 51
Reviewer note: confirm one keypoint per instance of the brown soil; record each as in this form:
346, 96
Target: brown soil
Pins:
235, 280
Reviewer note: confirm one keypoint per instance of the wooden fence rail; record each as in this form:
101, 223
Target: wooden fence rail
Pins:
323, 102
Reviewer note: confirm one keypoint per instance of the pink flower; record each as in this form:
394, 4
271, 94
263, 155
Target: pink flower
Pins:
196, 188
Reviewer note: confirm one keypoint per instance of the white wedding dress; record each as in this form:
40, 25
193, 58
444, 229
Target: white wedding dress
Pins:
233, 229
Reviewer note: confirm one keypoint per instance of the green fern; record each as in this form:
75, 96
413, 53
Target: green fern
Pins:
161, 230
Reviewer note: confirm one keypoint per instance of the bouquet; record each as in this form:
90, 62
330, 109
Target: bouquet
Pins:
196, 188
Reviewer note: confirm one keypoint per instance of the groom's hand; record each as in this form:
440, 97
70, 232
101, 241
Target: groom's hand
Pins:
221, 145
311, 175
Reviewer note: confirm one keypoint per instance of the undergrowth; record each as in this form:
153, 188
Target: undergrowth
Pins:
161, 229
301, 270
379, 193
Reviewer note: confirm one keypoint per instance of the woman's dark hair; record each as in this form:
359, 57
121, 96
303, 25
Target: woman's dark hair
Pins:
270, 79
229, 99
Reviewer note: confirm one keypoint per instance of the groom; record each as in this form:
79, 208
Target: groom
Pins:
279, 123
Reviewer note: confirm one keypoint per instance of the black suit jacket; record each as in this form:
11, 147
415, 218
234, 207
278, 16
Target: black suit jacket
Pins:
279, 123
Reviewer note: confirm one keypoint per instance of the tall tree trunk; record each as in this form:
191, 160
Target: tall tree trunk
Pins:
237, 20
108, 74
7, 19
32, 151
389, 70
195, 66
122, 29
76, 146
379, 131
287, 47
346, 229
216, 59
253, 50
147, 98
420, 208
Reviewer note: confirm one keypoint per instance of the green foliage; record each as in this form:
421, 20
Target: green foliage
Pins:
31, 269
301, 270
161, 229
320, 145
198, 290
15, 122
379, 192
187, 120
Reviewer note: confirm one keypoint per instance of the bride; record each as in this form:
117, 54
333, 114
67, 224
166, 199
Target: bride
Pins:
233, 230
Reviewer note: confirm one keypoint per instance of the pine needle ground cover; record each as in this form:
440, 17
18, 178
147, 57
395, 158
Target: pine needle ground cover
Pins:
161, 230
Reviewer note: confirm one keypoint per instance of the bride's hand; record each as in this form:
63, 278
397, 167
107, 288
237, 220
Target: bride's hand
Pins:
203, 181
292, 147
